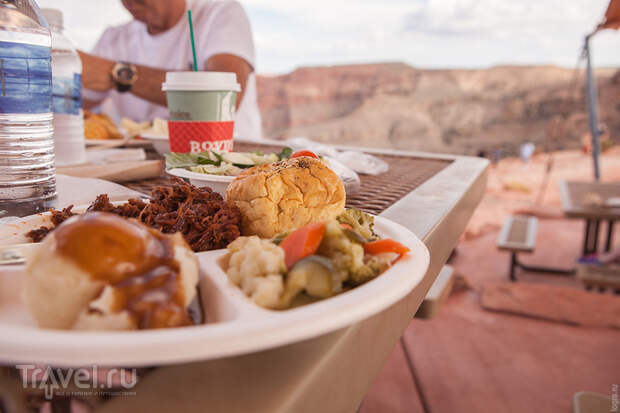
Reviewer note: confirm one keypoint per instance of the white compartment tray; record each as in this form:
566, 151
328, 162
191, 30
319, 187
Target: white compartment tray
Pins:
234, 324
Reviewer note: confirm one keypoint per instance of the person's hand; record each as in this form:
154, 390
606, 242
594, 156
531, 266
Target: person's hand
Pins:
96, 72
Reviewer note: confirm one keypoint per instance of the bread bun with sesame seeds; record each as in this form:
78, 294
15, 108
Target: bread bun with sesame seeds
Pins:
286, 195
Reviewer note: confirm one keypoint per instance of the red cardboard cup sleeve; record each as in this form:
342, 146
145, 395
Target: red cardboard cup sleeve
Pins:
190, 136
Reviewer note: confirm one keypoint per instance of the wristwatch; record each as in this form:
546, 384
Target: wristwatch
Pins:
124, 75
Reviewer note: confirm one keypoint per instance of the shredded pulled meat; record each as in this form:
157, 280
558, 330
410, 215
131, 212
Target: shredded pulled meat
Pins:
206, 221
131, 209
58, 217
203, 217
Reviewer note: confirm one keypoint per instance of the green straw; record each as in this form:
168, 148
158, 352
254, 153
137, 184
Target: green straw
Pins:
191, 34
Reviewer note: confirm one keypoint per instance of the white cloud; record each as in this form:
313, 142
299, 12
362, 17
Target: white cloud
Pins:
431, 33
492, 17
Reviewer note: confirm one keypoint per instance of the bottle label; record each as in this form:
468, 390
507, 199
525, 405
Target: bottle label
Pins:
67, 95
25, 78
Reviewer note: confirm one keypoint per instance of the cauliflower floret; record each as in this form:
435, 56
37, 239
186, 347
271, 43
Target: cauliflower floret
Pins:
265, 291
347, 255
257, 267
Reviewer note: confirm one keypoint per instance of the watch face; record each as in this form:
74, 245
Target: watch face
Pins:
124, 75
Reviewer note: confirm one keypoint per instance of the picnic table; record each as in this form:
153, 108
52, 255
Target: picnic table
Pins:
432, 195
590, 201
575, 205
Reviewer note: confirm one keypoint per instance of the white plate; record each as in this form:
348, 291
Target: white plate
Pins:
154, 136
234, 326
113, 143
161, 143
103, 142
218, 183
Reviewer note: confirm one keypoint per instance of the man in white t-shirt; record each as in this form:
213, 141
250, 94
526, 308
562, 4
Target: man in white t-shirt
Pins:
129, 62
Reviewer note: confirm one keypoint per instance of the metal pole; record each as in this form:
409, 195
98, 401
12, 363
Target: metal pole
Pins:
592, 100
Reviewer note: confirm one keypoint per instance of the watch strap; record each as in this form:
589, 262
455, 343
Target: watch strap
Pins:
122, 88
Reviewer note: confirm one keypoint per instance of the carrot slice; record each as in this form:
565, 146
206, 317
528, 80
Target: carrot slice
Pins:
304, 153
385, 245
302, 243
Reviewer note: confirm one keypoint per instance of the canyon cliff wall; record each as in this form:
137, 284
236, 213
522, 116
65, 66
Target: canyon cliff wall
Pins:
394, 105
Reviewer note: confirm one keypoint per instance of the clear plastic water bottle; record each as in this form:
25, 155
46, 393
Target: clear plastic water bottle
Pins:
66, 94
27, 174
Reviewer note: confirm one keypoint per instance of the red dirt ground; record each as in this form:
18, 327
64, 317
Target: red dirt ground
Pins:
468, 359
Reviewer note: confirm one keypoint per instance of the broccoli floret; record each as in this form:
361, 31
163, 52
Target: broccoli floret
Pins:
360, 221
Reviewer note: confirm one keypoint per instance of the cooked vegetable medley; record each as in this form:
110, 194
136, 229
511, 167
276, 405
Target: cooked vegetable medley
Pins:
313, 262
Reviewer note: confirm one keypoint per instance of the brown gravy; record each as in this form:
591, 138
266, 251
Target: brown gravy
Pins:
137, 261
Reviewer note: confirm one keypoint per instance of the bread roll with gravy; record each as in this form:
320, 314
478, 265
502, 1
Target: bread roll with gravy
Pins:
98, 271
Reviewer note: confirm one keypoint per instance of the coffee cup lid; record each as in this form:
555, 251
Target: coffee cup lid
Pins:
201, 81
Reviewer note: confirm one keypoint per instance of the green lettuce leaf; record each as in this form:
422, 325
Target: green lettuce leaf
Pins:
187, 160
285, 153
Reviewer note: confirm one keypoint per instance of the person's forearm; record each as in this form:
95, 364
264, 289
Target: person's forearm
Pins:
148, 85
96, 75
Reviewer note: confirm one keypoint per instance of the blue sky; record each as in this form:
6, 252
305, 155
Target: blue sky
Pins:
423, 33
